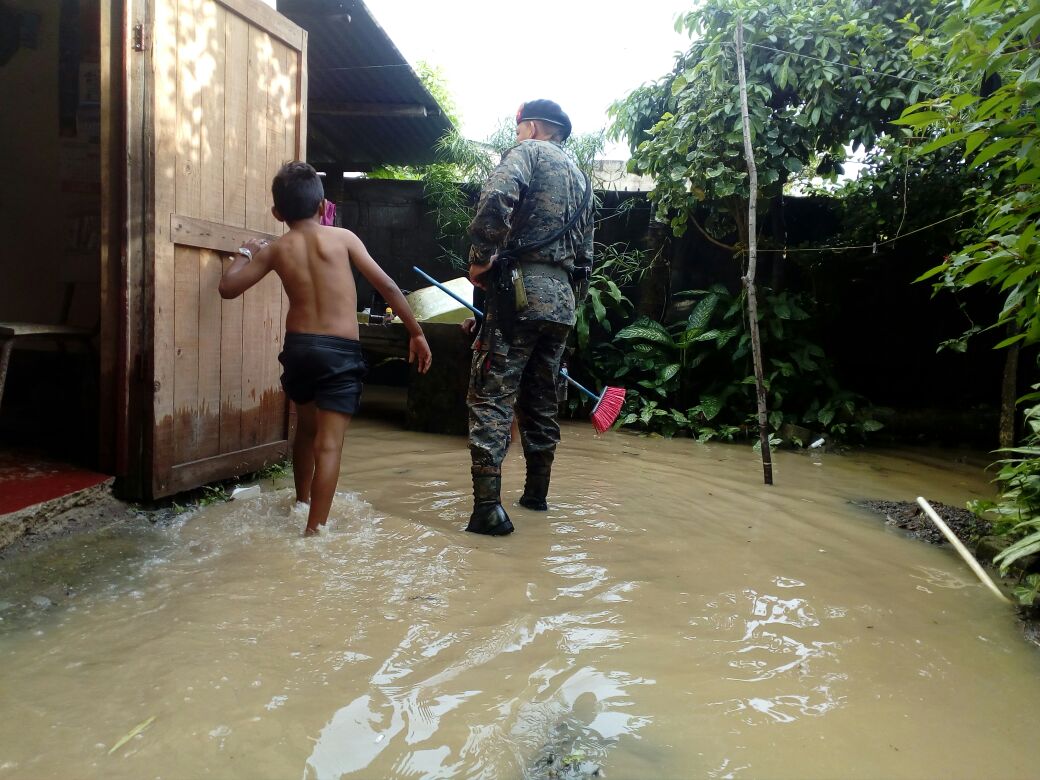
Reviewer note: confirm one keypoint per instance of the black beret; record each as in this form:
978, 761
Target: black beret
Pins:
545, 111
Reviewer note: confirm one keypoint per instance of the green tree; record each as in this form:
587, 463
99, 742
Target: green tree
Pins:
822, 76
433, 78
451, 185
989, 112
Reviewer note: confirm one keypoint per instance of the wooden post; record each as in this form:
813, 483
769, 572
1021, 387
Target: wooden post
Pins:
749, 278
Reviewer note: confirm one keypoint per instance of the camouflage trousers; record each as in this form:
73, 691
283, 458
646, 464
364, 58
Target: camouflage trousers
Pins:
524, 379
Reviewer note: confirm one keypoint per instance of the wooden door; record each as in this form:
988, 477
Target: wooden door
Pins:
225, 106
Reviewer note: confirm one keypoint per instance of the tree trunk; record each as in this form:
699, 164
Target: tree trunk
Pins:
749, 278
654, 284
1008, 394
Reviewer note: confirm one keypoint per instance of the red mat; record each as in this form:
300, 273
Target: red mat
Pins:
27, 479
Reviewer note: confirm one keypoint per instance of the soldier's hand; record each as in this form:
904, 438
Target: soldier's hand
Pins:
478, 274
469, 326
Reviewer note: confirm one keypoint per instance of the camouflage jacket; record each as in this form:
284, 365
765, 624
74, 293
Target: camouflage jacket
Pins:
533, 193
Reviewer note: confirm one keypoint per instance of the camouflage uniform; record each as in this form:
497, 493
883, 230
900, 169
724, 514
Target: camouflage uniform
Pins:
533, 193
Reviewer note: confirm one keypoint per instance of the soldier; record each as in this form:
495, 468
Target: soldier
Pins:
532, 251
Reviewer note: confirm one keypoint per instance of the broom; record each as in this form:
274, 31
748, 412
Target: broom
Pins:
608, 403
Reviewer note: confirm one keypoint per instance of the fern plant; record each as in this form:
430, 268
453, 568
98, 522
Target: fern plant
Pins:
694, 376
1018, 510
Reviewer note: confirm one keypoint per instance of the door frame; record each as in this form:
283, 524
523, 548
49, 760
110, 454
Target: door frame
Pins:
113, 384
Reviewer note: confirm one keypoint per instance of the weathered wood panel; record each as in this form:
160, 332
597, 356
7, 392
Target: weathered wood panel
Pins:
236, 116
210, 72
210, 365
187, 200
165, 43
257, 218
206, 234
279, 117
186, 353
227, 77
236, 121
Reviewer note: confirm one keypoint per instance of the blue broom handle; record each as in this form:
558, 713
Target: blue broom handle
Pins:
597, 398
475, 310
446, 291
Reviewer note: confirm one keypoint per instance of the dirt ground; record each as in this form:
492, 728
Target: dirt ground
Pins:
967, 526
100, 511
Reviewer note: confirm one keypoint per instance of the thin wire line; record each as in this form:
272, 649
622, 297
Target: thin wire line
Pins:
362, 67
874, 246
868, 246
906, 173
931, 87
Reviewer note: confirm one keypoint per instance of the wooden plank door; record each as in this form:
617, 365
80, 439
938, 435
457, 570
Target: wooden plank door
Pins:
228, 103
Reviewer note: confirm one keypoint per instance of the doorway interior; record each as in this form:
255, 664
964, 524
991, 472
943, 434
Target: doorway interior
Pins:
51, 223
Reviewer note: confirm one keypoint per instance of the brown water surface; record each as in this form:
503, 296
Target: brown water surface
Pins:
669, 617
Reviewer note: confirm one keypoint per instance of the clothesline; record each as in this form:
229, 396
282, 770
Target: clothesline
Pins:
839, 63
874, 246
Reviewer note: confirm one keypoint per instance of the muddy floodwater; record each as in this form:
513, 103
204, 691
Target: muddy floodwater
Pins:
669, 617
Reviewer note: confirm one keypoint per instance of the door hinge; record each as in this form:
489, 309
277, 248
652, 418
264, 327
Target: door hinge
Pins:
141, 37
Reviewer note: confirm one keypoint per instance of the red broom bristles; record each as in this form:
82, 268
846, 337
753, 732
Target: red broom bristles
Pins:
608, 408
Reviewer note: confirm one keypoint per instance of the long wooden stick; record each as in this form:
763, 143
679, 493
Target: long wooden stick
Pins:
749, 278
969, 559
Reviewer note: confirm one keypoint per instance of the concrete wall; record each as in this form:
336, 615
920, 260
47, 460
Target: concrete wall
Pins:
398, 230
613, 176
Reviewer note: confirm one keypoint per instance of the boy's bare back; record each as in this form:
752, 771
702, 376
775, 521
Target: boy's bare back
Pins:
314, 264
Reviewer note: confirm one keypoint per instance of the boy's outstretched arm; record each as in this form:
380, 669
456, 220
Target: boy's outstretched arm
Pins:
418, 349
248, 268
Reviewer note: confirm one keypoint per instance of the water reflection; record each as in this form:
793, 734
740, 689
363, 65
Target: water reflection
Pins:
765, 637
663, 621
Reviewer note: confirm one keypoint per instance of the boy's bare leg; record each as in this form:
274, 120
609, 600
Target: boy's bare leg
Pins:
328, 450
303, 450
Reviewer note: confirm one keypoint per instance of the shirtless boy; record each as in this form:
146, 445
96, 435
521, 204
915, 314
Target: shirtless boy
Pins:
322, 360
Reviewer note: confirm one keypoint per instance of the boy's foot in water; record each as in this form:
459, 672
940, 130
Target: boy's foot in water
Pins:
301, 509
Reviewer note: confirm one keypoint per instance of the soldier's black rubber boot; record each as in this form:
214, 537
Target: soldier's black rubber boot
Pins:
536, 488
488, 516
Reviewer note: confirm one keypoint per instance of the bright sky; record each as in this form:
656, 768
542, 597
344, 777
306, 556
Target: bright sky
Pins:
584, 54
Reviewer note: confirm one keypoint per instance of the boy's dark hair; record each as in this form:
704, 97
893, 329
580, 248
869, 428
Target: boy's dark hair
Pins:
297, 191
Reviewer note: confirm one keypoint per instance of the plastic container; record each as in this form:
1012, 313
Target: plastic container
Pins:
249, 491
432, 305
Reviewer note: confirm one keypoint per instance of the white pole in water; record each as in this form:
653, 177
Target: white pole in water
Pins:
960, 548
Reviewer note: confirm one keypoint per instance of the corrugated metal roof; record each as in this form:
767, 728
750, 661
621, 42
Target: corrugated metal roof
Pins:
366, 106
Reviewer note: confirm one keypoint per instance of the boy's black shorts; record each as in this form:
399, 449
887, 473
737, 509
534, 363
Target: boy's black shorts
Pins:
324, 369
